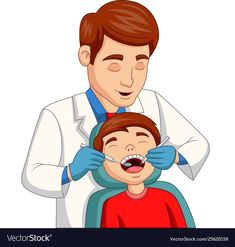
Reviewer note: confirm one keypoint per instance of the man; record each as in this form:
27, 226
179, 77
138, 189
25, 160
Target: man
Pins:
116, 44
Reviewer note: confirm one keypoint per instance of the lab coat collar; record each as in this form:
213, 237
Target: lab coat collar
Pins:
85, 117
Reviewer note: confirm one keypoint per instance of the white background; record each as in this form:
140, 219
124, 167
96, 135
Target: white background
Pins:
193, 67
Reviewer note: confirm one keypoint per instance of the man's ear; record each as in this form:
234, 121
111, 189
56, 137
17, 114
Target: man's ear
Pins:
84, 55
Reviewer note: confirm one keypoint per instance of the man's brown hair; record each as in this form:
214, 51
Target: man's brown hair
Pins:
121, 122
127, 22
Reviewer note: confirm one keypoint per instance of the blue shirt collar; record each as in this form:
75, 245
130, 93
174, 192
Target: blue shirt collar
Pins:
97, 107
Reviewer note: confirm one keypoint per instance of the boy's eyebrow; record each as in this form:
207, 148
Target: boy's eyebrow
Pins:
141, 56
141, 134
114, 56
110, 140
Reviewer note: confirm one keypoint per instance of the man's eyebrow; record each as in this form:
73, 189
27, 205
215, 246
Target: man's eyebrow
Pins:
110, 140
141, 56
114, 56
141, 134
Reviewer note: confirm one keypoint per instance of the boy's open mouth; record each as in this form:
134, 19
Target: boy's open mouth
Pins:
133, 163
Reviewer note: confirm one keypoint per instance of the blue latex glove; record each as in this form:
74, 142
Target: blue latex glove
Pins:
162, 157
86, 159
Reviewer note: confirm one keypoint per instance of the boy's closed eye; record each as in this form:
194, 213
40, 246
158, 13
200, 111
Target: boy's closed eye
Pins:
142, 134
111, 141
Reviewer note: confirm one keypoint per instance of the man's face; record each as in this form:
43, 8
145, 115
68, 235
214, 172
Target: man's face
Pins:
119, 72
128, 148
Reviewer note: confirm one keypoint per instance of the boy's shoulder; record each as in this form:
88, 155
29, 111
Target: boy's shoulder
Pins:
154, 190
161, 193
117, 197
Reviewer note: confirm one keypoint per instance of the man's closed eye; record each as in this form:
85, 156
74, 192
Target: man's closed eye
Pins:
140, 66
114, 67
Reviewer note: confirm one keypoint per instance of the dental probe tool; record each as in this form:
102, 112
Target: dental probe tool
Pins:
161, 144
106, 156
164, 141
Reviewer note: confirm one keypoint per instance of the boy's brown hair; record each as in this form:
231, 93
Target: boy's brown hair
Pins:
127, 22
121, 122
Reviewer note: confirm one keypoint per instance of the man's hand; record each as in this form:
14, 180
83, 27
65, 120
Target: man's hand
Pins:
163, 157
86, 159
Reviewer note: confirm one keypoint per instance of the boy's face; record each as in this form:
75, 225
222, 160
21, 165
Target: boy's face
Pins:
130, 147
119, 71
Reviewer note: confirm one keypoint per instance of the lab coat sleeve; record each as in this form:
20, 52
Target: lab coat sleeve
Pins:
42, 173
184, 137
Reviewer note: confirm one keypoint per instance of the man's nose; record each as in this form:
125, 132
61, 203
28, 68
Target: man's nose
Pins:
127, 79
130, 147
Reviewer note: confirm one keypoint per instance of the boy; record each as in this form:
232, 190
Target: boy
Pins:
129, 138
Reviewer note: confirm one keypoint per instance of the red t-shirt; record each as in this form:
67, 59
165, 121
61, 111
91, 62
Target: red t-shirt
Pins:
155, 208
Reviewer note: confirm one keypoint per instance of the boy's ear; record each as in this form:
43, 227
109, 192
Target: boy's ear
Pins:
84, 55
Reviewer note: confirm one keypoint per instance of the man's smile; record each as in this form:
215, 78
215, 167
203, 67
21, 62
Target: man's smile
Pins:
125, 94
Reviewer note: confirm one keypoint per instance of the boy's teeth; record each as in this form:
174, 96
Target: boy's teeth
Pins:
137, 156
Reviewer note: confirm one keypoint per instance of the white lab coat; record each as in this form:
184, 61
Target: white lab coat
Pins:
64, 125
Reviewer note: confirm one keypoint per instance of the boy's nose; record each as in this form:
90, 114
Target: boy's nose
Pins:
130, 147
